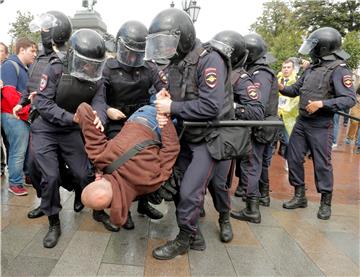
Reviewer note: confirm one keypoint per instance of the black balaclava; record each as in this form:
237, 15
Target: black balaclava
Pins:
47, 42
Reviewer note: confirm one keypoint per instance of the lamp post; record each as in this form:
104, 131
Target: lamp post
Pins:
190, 7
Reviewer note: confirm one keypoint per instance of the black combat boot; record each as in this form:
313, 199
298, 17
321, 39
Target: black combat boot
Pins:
226, 233
251, 213
325, 206
179, 246
35, 213
78, 205
52, 236
298, 201
144, 208
129, 224
104, 218
264, 199
198, 242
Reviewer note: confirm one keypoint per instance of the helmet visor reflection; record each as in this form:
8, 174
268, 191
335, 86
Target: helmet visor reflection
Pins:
161, 46
85, 68
307, 46
128, 56
44, 21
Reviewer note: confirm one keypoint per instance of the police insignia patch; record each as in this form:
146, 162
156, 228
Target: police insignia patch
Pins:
210, 77
252, 92
163, 77
347, 81
43, 82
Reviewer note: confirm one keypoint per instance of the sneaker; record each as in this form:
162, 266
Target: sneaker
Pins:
334, 145
18, 189
357, 150
286, 167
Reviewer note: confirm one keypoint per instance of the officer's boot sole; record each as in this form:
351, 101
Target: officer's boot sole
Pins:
243, 217
302, 205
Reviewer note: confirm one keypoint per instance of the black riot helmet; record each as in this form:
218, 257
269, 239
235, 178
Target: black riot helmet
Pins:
323, 42
232, 45
256, 46
171, 32
86, 55
130, 42
55, 29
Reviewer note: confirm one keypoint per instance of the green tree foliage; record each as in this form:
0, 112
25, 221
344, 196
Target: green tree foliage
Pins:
20, 28
351, 45
284, 23
341, 15
278, 27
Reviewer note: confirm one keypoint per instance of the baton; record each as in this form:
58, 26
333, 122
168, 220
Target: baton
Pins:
347, 115
233, 123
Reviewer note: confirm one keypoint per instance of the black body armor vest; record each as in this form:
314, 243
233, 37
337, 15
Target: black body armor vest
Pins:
127, 91
36, 71
182, 80
271, 107
316, 86
71, 92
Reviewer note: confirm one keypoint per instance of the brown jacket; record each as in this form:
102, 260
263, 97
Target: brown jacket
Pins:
143, 173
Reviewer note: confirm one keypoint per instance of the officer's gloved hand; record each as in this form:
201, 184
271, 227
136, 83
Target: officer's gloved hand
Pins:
239, 110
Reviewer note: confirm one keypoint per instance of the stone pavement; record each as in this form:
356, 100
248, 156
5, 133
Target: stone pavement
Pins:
286, 242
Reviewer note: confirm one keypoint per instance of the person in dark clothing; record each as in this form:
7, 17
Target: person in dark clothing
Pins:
127, 82
35, 73
55, 132
196, 87
247, 107
326, 86
255, 166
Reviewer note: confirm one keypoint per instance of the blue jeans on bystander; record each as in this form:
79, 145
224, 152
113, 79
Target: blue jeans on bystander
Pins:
17, 133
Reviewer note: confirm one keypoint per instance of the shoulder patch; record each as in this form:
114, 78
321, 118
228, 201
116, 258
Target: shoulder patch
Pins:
257, 85
43, 82
347, 81
210, 77
253, 92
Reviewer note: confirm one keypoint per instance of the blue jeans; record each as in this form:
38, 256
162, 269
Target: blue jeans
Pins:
358, 138
336, 127
17, 134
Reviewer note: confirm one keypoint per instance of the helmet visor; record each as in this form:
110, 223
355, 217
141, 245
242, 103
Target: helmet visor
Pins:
307, 46
129, 56
43, 22
222, 47
85, 68
160, 47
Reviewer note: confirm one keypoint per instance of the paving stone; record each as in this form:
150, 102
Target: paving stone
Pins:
30, 266
345, 242
284, 252
251, 261
127, 247
120, 270
15, 238
83, 255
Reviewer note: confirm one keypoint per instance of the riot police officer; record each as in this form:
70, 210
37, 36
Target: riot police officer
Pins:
248, 107
255, 166
58, 35
198, 83
324, 87
127, 81
73, 76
